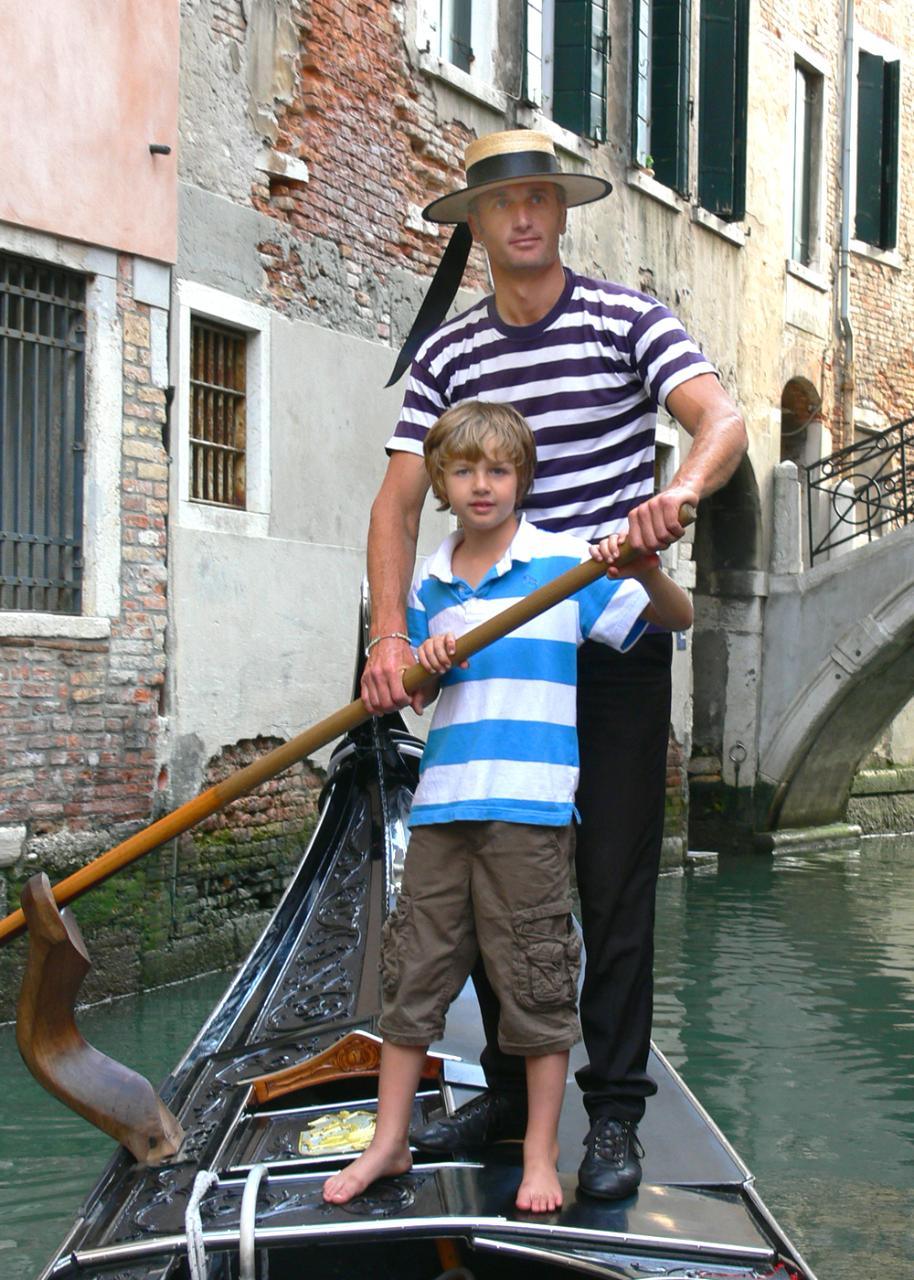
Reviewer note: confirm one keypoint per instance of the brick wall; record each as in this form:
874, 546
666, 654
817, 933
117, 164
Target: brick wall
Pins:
79, 717
882, 296
366, 124
193, 905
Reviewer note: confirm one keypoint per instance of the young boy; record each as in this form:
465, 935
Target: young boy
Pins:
488, 864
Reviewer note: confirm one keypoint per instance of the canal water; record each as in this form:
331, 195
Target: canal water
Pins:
785, 996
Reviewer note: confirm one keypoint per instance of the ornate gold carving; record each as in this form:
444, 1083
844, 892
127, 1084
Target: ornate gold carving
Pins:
357, 1054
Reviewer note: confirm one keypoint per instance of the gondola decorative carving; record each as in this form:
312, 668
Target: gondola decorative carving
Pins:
357, 1054
109, 1095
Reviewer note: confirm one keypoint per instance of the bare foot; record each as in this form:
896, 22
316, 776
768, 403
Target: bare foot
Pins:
540, 1190
374, 1162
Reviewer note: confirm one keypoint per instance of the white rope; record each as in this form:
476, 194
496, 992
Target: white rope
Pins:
246, 1248
193, 1224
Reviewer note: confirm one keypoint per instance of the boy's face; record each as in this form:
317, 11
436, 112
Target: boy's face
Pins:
481, 494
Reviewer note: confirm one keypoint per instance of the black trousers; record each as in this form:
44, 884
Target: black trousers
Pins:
623, 731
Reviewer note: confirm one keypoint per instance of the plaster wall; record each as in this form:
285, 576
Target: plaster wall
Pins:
264, 617
85, 91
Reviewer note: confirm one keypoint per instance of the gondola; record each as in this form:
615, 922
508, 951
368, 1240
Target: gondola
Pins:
278, 1090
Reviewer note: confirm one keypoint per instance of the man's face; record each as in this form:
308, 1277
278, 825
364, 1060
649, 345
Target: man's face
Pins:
519, 225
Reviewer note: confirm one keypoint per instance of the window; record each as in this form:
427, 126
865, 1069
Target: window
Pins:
221, 471
565, 64
660, 89
722, 94
42, 442
457, 32
876, 209
807, 164
218, 411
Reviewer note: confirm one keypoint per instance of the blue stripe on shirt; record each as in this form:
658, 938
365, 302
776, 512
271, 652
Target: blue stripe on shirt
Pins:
516, 659
525, 740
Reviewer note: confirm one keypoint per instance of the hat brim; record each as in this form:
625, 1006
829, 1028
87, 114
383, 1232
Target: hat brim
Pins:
579, 188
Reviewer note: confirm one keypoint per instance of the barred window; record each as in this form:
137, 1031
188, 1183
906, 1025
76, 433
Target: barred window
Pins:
218, 411
42, 443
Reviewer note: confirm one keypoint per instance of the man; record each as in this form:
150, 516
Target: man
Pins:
587, 363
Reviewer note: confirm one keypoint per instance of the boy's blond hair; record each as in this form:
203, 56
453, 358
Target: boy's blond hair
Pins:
464, 431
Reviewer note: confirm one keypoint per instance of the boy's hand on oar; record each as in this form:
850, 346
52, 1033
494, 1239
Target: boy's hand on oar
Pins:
617, 558
437, 654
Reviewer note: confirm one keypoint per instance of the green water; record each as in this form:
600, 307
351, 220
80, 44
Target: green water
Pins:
785, 996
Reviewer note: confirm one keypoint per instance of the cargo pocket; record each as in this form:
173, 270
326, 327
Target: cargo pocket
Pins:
547, 956
393, 943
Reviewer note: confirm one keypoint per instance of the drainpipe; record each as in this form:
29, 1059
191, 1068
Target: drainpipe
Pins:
844, 265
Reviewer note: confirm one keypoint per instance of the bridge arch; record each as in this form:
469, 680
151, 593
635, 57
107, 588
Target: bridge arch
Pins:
838, 667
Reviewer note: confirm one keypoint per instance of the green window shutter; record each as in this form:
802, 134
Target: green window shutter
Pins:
461, 52
878, 84
641, 80
870, 96
669, 137
723, 92
579, 66
890, 109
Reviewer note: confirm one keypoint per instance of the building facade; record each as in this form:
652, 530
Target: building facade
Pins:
205, 277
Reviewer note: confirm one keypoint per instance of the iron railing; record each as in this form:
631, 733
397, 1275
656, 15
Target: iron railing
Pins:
42, 393
863, 491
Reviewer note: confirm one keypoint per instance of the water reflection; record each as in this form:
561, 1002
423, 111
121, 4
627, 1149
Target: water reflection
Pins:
49, 1157
786, 998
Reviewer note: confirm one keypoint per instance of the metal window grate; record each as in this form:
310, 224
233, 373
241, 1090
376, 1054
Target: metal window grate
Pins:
42, 394
218, 414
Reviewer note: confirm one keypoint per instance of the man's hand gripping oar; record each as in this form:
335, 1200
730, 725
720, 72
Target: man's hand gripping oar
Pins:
311, 740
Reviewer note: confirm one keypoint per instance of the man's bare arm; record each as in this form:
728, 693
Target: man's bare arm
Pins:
392, 536
719, 441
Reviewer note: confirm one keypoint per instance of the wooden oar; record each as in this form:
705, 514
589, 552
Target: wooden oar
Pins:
327, 730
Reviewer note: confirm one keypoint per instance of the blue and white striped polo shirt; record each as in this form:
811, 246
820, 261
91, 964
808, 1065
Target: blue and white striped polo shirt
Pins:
503, 742
588, 378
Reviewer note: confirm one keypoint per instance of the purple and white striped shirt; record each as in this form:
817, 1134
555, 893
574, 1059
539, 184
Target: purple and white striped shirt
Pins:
588, 378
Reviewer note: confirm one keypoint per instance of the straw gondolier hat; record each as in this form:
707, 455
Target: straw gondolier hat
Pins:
518, 155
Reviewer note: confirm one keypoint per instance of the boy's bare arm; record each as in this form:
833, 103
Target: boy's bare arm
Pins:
392, 536
669, 606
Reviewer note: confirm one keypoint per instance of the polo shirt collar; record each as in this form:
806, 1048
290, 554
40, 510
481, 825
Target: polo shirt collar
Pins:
520, 549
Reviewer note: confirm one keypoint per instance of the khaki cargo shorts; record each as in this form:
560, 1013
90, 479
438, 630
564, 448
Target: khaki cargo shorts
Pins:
499, 888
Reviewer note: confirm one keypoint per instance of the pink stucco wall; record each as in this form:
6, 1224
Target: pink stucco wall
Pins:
85, 87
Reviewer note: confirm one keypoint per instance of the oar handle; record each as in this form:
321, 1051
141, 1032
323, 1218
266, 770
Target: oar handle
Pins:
334, 726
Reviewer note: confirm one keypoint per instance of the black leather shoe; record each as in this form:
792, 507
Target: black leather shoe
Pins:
489, 1117
611, 1169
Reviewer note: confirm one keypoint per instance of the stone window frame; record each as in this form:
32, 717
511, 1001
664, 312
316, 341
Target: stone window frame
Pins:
198, 300
101, 589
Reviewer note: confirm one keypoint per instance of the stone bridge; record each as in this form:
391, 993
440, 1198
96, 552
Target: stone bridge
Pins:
797, 671
837, 667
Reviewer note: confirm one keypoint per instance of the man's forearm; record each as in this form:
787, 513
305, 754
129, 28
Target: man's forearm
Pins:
717, 448
392, 537
718, 434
